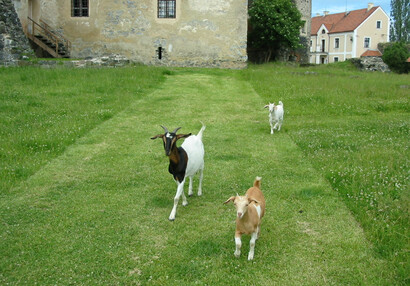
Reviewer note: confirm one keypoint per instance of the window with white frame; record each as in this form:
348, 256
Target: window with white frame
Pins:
166, 8
367, 43
337, 41
336, 59
378, 24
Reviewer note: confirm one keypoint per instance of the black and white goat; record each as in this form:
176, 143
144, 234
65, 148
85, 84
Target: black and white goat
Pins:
184, 161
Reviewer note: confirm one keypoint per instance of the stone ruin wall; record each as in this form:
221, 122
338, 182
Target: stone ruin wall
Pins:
305, 7
14, 44
210, 33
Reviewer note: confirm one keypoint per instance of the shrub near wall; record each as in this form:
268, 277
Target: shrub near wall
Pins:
395, 56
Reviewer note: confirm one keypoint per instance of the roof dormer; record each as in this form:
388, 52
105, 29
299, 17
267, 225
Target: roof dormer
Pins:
323, 30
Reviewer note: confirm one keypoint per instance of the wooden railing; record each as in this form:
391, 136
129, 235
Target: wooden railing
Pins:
63, 39
44, 30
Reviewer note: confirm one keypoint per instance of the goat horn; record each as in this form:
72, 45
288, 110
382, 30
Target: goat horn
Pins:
176, 129
166, 129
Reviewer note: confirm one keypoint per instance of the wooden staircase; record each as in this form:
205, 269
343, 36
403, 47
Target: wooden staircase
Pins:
51, 42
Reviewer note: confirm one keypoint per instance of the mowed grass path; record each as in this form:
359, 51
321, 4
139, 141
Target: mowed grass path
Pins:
98, 213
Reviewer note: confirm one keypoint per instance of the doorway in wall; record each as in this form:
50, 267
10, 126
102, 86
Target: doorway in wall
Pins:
33, 10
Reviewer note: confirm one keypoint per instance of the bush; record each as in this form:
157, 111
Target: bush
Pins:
395, 57
274, 25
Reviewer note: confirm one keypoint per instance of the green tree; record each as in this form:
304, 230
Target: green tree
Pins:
395, 57
275, 24
400, 20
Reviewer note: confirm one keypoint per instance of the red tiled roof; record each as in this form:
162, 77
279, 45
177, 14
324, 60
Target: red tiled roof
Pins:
341, 22
408, 60
372, 53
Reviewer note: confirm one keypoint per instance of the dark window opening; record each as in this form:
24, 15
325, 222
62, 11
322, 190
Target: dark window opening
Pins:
79, 8
366, 43
166, 8
336, 43
160, 53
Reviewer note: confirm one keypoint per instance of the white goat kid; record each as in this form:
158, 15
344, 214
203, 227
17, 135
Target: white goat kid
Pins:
184, 161
275, 115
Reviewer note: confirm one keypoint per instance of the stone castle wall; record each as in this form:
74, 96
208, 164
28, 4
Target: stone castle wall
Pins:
305, 7
210, 33
13, 43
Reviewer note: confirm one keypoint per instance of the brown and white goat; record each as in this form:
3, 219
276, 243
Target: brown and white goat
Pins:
250, 209
184, 161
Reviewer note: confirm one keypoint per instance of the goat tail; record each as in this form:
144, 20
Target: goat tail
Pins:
257, 182
199, 135
280, 103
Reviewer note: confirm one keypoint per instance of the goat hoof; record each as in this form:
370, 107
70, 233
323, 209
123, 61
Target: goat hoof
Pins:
185, 204
171, 219
190, 195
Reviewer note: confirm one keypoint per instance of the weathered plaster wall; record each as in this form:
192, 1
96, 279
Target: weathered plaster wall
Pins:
204, 33
368, 30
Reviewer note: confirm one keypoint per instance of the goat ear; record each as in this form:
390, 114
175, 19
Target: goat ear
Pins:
253, 200
179, 136
157, 136
229, 200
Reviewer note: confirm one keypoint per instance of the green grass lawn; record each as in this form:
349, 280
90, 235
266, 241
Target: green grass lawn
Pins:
94, 210
42, 111
354, 129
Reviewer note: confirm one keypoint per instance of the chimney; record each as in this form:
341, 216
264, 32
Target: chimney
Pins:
317, 14
369, 6
326, 13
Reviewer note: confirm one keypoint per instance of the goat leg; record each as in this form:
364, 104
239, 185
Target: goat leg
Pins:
180, 189
238, 244
252, 245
